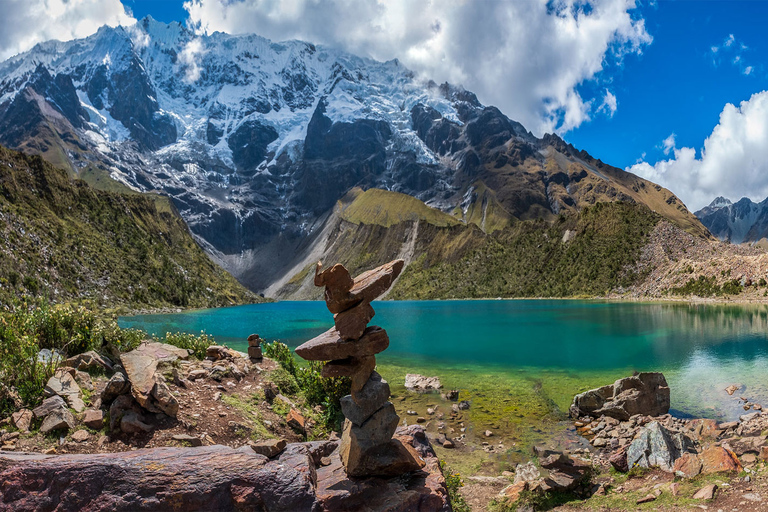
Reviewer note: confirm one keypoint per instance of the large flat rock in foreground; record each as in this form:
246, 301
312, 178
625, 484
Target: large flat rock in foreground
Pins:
214, 478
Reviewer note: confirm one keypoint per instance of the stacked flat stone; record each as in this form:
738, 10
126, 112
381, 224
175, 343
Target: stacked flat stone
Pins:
254, 347
350, 349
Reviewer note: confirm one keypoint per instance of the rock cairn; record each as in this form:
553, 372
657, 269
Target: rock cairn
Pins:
350, 347
254, 347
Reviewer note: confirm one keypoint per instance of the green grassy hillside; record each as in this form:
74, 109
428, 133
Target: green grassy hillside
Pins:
385, 208
583, 253
65, 240
535, 258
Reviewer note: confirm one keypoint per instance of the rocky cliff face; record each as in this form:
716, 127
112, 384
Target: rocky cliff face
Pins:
256, 141
743, 221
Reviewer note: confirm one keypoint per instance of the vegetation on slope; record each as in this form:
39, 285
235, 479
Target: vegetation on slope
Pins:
65, 329
63, 239
385, 208
582, 254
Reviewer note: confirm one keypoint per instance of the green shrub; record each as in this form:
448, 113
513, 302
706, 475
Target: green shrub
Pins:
282, 354
308, 378
284, 381
453, 483
196, 343
22, 376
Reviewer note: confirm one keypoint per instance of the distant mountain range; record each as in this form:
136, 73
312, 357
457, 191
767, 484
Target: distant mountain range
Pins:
264, 146
742, 221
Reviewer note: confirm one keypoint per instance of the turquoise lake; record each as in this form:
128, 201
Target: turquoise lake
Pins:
700, 348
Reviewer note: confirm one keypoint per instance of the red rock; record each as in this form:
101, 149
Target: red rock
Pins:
254, 340
350, 324
422, 491
330, 345
206, 478
618, 460
295, 420
688, 465
512, 492
337, 277
367, 286
22, 419
706, 493
254, 352
716, 459
646, 499
93, 419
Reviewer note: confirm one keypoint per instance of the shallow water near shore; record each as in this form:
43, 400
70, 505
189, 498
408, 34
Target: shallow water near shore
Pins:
520, 362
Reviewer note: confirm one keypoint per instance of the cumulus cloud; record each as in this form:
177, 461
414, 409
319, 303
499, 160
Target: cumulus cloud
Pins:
610, 104
28, 22
668, 144
189, 59
528, 58
733, 162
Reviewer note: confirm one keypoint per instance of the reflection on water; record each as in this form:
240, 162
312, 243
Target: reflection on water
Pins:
701, 348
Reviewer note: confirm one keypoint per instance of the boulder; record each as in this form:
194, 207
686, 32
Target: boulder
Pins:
618, 460
368, 400
81, 436
161, 352
716, 459
751, 444
350, 324
706, 493
94, 419
132, 422
149, 390
655, 446
416, 382
48, 406
527, 472
645, 393
688, 465
59, 419
116, 386
22, 419
330, 345
89, 361
206, 478
254, 340
63, 384
295, 420
269, 447
219, 353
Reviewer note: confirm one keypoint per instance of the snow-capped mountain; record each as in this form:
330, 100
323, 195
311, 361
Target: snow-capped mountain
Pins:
256, 141
742, 221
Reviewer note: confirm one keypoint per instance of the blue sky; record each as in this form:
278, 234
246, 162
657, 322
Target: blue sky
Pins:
679, 85
675, 91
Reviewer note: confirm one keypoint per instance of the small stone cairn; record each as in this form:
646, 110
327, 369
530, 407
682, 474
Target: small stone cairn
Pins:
367, 447
254, 347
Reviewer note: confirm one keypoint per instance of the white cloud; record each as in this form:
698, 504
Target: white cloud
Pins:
525, 57
28, 22
189, 58
610, 104
668, 144
729, 47
733, 162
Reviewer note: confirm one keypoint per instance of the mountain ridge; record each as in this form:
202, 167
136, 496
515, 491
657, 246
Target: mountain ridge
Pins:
256, 141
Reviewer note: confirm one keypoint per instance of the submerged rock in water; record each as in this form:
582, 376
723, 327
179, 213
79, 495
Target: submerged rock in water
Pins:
645, 393
416, 382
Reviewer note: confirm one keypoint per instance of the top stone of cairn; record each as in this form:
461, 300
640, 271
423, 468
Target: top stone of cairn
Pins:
342, 292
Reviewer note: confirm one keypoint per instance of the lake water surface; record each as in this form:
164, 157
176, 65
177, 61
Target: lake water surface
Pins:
560, 346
